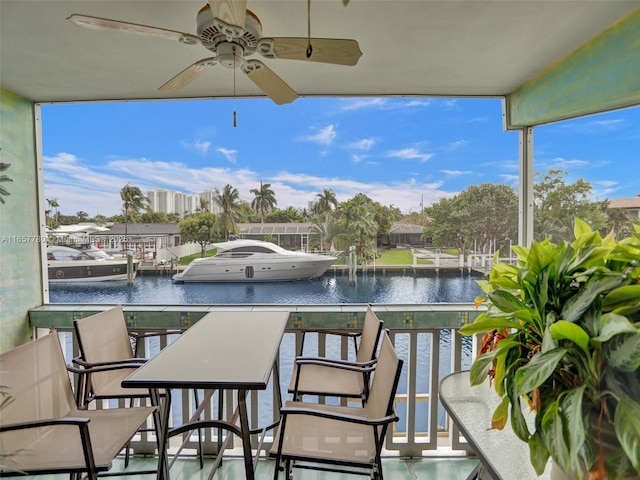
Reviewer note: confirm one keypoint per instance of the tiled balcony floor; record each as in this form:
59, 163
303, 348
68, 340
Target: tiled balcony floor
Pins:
432, 468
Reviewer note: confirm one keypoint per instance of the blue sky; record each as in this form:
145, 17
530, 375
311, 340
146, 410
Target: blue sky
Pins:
398, 151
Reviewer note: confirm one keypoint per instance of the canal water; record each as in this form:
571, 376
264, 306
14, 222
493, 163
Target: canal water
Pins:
370, 287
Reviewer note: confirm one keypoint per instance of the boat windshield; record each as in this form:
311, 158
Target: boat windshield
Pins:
245, 251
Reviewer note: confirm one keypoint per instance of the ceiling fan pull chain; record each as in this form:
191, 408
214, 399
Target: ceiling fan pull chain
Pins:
234, 88
309, 47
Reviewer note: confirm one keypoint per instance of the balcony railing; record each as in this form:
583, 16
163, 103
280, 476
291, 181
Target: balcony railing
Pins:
425, 336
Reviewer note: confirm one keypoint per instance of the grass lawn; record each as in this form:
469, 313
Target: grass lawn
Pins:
394, 256
398, 257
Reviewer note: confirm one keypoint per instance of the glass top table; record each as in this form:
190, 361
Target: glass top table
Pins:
501, 453
223, 350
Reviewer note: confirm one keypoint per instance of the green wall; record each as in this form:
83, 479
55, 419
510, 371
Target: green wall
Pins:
603, 74
20, 257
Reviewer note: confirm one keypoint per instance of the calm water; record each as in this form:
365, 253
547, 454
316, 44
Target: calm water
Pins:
376, 288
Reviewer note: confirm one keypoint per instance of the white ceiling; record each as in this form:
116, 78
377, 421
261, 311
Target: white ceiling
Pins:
415, 47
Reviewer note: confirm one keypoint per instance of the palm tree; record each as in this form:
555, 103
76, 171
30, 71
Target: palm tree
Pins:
53, 203
264, 201
324, 230
325, 200
360, 217
204, 205
132, 202
229, 203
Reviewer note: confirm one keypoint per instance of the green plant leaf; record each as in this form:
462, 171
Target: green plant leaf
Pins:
540, 255
480, 368
538, 453
573, 420
581, 228
518, 422
486, 324
505, 301
595, 286
627, 427
628, 295
563, 330
541, 367
625, 354
501, 414
554, 436
611, 324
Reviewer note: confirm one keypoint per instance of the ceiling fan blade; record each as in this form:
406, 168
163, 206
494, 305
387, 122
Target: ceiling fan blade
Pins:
269, 82
188, 75
326, 50
97, 23
231, 12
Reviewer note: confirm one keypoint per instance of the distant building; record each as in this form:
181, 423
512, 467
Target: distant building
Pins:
631, 206
403, 235
166, 201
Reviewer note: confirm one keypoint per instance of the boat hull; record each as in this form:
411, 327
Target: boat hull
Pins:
88, 271
206, 270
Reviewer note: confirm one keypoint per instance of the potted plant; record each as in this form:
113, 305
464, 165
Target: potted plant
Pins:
562, 337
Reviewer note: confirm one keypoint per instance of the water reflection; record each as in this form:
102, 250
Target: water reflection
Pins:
369, 288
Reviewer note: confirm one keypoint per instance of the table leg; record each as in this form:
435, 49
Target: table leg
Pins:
163, 431
246, 434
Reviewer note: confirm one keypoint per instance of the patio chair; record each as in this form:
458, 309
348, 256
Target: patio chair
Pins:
329, 377
342, 439
42, 431
107, 358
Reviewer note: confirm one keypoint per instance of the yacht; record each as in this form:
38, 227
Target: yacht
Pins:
85, 263
254, 261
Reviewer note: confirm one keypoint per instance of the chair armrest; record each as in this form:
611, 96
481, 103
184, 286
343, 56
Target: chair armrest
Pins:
338, 416
44, 423
127, 362
368, 366
342, 333
87, 367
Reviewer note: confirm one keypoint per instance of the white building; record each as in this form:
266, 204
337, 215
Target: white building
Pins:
166, 201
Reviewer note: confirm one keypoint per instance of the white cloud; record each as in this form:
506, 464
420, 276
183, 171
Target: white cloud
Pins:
355, 158
362, 103
324, 136
410, 154
564, 164
363, 144
202, 146
230, 155
455, 145
456, 173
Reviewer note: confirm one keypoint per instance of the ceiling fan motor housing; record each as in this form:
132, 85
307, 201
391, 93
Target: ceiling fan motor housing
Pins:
229, 42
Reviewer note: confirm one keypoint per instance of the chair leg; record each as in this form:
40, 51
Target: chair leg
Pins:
200, 453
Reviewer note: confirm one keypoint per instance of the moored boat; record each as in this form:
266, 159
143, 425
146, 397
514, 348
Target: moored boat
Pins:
254, 261
85, 264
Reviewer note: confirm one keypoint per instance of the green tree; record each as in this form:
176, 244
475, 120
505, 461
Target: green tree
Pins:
557, 205
132, 202
154, 217
618, 222
288, 215
325, 201
264, 200
359, 216
200, 228
324, 230
230, 207
53, 204
82, 216
203, 206
482, 215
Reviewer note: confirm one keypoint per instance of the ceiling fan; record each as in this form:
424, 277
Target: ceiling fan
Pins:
232, 33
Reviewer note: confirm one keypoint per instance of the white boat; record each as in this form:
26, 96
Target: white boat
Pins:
85, 263
254, 261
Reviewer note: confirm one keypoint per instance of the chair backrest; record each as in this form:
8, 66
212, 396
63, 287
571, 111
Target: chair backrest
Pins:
36, 376
385, 381
103, 337
371, 329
